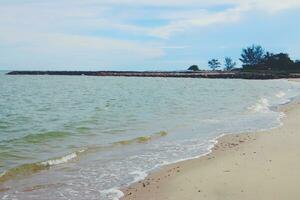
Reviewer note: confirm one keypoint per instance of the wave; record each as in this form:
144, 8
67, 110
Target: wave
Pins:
62, 160
41, 137
261, 106
23, 170
31, 168
142, 139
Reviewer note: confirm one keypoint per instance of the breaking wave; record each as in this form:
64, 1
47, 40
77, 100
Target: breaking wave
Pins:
31, 168
261, 106
62, 160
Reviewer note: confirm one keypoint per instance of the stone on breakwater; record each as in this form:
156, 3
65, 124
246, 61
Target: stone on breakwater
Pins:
184, 74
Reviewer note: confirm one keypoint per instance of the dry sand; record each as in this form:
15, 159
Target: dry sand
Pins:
256, 166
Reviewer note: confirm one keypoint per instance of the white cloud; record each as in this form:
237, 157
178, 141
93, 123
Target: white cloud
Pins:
30, 47
201, 20
119, 15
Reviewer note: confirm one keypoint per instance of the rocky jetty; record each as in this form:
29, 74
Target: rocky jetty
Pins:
181, 74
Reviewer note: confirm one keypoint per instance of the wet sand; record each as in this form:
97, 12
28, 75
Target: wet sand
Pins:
263, 165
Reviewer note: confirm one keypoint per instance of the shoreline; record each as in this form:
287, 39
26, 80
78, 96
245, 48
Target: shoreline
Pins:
229, 170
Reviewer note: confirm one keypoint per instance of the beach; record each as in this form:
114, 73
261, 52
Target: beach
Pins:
260, 165
149, 100
104, 134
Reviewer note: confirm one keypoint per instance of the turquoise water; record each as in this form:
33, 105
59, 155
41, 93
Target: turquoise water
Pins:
85, 137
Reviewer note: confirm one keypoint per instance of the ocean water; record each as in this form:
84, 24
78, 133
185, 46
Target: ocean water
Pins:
64, 137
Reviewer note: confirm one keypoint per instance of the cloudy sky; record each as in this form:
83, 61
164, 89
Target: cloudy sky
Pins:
141, 34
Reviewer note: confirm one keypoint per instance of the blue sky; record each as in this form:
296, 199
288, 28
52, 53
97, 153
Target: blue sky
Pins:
141, 34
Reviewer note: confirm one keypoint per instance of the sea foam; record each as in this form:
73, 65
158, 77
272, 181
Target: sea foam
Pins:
280, 94
61, 160
261, 106
112, 193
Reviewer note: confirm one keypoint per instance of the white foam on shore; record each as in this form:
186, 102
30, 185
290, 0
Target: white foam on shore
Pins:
116, 193
280, 94
113, 193
261, 106
139, 175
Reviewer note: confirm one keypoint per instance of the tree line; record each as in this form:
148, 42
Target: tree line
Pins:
255, 58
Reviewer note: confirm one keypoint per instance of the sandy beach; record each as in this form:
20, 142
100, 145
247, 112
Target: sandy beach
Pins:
263, 165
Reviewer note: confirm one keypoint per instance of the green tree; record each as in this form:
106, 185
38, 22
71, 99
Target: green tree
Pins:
280, 61
297, 64
253, 55
229, 64
194, 68
214, 64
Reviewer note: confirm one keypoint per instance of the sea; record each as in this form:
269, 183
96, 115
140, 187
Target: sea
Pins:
80, 137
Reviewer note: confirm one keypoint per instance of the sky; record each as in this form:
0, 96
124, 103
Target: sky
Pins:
141, 34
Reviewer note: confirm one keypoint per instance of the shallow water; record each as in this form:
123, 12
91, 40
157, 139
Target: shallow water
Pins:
85, 137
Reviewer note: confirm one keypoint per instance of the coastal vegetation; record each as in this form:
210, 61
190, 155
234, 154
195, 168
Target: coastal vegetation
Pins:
252, 56
194, 68
214, 64
229, 64
256, 59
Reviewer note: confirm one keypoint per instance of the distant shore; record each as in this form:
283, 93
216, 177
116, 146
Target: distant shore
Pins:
262, 165
174, 74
